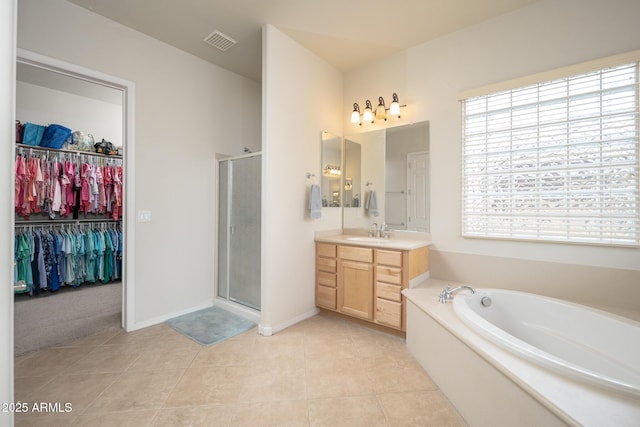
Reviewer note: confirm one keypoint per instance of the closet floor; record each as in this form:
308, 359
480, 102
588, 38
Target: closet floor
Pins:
321, 372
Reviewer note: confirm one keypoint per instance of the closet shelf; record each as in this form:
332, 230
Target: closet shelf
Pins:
53, 150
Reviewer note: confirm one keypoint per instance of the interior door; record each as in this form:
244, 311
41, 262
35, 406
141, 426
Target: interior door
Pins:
418, 191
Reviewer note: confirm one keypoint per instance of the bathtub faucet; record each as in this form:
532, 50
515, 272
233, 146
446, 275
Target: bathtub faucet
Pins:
447, 293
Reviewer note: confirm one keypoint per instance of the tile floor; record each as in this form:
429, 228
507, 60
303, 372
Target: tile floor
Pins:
324, 371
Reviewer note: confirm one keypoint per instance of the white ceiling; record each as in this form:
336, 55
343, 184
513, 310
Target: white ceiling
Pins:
346, 33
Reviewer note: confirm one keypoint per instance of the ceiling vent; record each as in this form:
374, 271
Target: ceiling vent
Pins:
219, 40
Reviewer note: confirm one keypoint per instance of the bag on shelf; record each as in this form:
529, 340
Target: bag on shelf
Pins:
55, 136
32, 134
79, 141
104, 147
19, 131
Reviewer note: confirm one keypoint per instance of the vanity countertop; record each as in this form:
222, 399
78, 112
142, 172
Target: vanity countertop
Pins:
398, 243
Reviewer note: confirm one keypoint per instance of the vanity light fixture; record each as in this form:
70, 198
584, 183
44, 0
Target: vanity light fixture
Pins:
348, 185
380, 113
332, 171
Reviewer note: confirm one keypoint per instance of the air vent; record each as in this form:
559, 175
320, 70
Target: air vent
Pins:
219, 40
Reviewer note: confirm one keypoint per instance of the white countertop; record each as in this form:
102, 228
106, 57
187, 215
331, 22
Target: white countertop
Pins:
399, 241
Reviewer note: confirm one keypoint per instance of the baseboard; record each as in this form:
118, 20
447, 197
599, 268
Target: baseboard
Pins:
164, 318
267, 331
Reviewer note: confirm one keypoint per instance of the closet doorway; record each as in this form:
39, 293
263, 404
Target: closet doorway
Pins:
54, 91
239, 228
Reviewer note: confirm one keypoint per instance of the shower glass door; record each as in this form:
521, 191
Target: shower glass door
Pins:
239, 230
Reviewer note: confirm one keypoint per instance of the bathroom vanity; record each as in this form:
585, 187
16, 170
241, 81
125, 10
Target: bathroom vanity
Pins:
363, 277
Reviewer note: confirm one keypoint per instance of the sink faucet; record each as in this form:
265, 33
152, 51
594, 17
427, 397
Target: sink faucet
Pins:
384, 231
447, 293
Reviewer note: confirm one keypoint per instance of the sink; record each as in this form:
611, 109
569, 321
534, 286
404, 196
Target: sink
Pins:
368, 239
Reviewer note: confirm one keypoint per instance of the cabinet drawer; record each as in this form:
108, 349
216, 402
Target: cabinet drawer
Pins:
326, 279
389, 313
387, 291
389, 274
326, 250
326, 297
355, 254
326, 264
393, 258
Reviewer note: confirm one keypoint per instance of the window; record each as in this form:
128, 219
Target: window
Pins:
555, 161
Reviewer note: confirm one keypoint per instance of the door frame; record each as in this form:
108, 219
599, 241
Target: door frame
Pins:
128, 145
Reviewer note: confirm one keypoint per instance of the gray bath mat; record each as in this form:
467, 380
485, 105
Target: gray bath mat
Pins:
210, 325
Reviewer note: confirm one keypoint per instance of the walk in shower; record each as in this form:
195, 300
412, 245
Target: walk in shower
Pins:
239, 192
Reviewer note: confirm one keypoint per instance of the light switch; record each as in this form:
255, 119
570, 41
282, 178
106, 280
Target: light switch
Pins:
144, 216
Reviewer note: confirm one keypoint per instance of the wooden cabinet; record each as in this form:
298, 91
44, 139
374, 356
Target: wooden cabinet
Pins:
355, 275
367, 283
391, 270
326, 275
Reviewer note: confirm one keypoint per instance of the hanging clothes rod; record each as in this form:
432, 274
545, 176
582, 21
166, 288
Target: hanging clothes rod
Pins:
65, 221
25, 148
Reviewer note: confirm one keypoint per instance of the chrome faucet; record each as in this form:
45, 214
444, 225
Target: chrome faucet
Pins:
447, 293
384, 231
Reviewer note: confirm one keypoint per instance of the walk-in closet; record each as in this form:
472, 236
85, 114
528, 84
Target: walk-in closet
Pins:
69, 205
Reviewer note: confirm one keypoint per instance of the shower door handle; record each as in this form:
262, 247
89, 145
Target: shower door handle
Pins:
232, 229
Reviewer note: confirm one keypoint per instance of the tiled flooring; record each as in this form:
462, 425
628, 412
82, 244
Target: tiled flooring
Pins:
321, 372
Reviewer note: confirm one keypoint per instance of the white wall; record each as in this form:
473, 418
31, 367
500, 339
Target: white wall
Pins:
186, 110
43, 106
543, 36
302, 96
429, 77
7, 132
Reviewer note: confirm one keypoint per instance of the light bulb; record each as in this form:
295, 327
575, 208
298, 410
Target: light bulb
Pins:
394, 108
355, 114
381, 111
367, 114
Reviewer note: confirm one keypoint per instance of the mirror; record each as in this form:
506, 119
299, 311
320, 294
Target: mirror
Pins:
393, 163
352, 190
331, 154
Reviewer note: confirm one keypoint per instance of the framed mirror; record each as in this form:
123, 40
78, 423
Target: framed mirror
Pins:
393, 164
331, 161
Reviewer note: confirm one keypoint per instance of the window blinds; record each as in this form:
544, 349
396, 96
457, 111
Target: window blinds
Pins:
555, 161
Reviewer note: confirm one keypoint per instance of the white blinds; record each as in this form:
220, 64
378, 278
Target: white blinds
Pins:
555, 161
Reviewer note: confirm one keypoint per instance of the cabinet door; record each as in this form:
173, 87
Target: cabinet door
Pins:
389, 313
326, 297
355, 289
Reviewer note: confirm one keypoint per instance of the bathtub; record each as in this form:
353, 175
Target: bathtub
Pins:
492, 385
573, 340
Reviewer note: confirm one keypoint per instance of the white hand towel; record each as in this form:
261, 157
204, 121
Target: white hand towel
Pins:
315, 201
372, 203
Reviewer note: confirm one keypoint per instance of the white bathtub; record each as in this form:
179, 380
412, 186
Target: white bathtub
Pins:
495, 387
573, 340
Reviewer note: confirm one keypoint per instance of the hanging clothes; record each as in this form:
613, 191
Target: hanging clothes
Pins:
48, 257
67, 185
